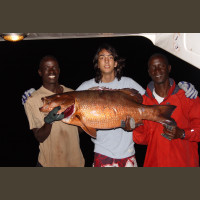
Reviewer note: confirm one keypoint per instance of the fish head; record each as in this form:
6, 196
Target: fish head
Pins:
65, 101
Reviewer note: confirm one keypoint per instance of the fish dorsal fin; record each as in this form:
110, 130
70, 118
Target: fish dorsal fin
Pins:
133, 93
99, 88
130, 91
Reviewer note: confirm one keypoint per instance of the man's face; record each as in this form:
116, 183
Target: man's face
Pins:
106, 62
49, 71
159, 70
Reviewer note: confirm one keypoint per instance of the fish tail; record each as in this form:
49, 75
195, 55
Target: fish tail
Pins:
162, 114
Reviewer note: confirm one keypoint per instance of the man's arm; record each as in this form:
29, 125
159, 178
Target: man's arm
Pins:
173, 132
128, 124
191, 133
141, 134
27, 94
41, 134
190, 91
41, 127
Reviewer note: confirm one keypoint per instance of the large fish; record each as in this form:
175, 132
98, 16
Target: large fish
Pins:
105, 108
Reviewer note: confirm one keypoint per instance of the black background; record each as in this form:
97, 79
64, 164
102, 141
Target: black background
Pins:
19, 65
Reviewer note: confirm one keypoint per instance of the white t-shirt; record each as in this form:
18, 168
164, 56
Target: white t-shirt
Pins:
114, 143
157, 97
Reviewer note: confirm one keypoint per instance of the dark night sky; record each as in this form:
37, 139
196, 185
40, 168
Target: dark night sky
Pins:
19, 64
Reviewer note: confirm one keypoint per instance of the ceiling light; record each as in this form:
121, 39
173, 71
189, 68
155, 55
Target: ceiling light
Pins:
13, 37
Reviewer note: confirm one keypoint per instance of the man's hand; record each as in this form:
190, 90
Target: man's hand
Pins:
129, 124
190, 91
53, 116
173, 132
27, 94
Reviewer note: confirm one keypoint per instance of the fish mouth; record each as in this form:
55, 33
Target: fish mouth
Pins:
69, 111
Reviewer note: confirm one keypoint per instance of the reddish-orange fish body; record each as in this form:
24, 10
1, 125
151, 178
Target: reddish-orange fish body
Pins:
105, 109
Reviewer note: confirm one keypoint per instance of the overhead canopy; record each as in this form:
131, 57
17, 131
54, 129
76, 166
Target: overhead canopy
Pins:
183, 45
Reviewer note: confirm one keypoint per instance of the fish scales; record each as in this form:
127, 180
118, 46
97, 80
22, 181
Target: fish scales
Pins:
105, 109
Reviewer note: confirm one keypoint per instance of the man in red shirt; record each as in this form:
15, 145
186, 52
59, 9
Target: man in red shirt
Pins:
179, 147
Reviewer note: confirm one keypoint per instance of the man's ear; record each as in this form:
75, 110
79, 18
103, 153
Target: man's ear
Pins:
116, 63
39, 72
148, 71
169, 68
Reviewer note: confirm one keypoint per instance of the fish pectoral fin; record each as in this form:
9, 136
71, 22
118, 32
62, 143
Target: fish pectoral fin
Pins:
90, 131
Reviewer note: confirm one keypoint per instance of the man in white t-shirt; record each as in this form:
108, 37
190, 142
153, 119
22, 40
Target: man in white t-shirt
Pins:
115, 147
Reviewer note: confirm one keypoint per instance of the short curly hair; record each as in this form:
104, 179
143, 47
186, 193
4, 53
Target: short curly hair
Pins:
155, 55
45, 58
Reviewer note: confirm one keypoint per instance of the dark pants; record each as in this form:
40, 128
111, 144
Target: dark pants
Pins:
38, 165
